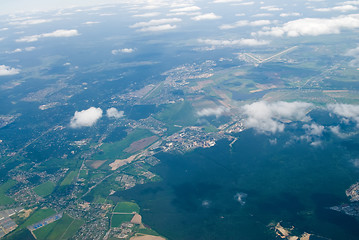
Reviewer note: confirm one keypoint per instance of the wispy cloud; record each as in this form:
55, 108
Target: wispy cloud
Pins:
186, 9
158, 28
227, 1
17, 50
244, 23
313, 26
155, 22
8, 71
57, 33
86, 118
218, 111
145, 15
30, 22
123, 50
344, 8
293, 14
207, 16
270, 117
90, 23
229, 43
271, 8
355, 54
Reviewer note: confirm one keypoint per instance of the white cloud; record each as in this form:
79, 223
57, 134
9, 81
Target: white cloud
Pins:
158, 28
314, 129
30, 22
8, 71
270, 117
184, 14
123, 50
90, 23
244, 23
57, 33
293, 14
271, 8
344, 8
241, 198
17, 50
314, 26
227, 1
156, 22
347, 111
336, 130
114, 113
229, 43
245, 4
262, 15
186, 9
218, 111
355, 54
150, 14
207, 16
350, 2
86, 118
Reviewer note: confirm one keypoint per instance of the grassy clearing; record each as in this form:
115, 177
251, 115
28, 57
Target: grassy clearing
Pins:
127, 207
45, 189
64, 228
4, 199
69, 178
118, 219
115, 150
148, 231
37, 216
178, 114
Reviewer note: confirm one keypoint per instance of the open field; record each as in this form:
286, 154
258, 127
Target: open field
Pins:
4, 199
45, 189
126, 207
118, 219
64, 228
69, 178
37, 216
95, 164
112, 151
140, 144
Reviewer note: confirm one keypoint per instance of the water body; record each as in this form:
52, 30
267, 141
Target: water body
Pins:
234, 193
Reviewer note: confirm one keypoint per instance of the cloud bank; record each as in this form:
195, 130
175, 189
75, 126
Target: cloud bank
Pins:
57, 33
313, 26
86, 118
8, 71
270, 117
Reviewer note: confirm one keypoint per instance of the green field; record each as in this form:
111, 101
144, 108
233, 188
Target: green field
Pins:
148, 231
37, 217
63, 228
118, 219
45, 189
114, 150
178, 114
69, 178
127, 207
4, 199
